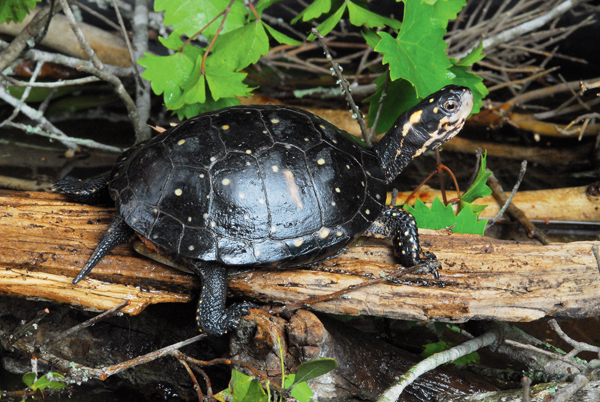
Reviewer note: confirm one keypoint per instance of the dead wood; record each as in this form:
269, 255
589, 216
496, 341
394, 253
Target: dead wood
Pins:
366, 364
109, 47
46, 240
562, 204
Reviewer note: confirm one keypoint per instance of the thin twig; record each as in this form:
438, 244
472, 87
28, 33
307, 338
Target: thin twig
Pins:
85, 46
512, 194
17, 109
55, 84
140, 38
383, 95
356, 113
125, 36
393, 393
54, 340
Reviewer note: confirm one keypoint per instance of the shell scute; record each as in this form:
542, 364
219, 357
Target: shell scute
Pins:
235, 209
293, 205
184, 194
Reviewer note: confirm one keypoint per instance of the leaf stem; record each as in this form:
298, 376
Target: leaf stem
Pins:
224, 13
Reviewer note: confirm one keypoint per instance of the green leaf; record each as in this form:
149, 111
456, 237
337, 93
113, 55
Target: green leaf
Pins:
467, 222
371, 37
474, 82
281, 38
189, 16
244, 388
360, 16
438, 217
400, 96
326, 26
302, 392
166, 73
15, 10
479, 188
224, 83
43, 382
314, 368
417, 55
173, 42
29, 378
315, 10
473, 57
433, 348
239, 48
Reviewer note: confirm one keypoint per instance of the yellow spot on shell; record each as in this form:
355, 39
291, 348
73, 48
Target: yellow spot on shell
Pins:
274, 121
178, 192
180, 142
298, 242
321, 161
337, 190
324, 232
225, 127
435, 109
226, 182
275, 168
248, 151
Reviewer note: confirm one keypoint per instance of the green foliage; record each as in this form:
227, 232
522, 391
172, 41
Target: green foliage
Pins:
43, 382
15, 10
248, 389
191, 81
441, 216
417, 58
441, 346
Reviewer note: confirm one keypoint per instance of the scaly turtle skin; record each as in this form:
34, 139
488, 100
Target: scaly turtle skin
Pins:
265, 186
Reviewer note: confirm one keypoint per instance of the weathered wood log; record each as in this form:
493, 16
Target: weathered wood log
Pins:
561, 204
46, 240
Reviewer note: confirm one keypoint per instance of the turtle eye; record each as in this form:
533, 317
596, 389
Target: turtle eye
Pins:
450, 106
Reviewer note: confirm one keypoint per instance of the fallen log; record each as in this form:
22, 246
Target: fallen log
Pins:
46, 240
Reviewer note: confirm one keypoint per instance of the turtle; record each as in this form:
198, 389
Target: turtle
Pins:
255, 186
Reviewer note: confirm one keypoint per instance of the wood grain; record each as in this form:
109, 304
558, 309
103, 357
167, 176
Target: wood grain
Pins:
46, 240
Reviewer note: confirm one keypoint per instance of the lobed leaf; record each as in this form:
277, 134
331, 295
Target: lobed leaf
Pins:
239, 48
360, 16
315, 10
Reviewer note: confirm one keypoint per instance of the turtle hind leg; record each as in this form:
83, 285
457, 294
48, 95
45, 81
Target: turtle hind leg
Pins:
212, 317
118, 233
400, 225
87, 192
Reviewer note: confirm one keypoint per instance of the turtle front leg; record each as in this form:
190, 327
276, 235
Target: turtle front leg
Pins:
212, 317
400, 225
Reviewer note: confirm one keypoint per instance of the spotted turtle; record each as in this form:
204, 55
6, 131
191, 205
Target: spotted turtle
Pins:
265, 186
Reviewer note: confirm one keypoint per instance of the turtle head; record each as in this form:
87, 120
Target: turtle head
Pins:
429, 124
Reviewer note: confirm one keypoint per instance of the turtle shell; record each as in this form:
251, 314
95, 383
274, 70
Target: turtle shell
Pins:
250, 185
